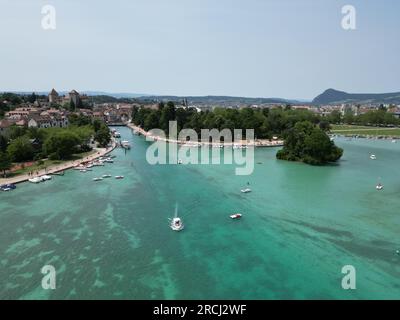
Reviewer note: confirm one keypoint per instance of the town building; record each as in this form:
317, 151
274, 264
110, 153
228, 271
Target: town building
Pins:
53, 96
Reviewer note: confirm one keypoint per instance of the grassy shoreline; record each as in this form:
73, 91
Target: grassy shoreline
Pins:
365, 130
47, 163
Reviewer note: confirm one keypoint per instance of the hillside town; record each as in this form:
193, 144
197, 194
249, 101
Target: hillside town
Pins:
55, 110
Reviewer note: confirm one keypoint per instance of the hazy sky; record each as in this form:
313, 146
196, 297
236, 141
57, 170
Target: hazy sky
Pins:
267, 48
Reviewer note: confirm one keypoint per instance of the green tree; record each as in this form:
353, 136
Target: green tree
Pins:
20, 149
151, 121
103, 136
5, 162
16, 132
167, 114
308, 144
62, 144
335, 117
325, 126
32, 98
3, 143
97, 124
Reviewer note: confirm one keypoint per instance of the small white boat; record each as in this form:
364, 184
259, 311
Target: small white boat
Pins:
379, 186
82, 170
236, 216
108, 160
247, 190
35, 180
372, 157
180, 161
106, 176
125, 144
394, 141
97, 179
119, 177
176, 222
46, 178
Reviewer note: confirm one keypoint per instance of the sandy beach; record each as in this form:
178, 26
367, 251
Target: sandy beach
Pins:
254, 143
99, 152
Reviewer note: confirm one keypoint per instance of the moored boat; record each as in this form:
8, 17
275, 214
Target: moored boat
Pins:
8, 187
247, 190
46, 177
35, 180
236, 216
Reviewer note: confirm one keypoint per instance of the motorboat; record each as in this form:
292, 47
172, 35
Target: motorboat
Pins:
372, 157
108, 160
180, 161
176, 222
106, 176
82, 170
247, 190
8, 187
379, 186
97, 179
236, 216
46, 178
119, 177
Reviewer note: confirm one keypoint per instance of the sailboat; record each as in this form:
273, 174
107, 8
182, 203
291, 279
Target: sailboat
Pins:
176, 222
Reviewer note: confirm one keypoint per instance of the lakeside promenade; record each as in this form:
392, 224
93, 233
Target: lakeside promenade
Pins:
99, 152
254, 143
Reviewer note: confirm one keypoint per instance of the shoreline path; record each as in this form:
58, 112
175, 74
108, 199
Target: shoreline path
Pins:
99, 152
255, 143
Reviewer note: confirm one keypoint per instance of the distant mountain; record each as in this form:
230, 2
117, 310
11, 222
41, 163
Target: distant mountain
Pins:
220, 100
332, 96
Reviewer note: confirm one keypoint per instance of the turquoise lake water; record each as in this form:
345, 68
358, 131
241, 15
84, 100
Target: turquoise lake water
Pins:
300, 226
